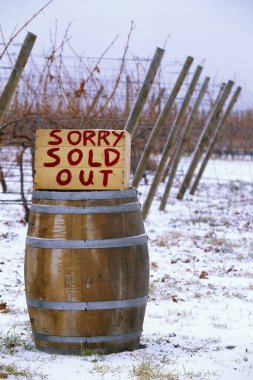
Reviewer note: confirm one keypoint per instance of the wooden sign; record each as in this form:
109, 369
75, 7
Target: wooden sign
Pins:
75, 159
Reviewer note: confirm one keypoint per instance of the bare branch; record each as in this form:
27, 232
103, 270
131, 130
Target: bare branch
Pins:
25, 24
120, 71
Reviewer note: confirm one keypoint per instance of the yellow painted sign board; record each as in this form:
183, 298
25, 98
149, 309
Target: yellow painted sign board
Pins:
75, 159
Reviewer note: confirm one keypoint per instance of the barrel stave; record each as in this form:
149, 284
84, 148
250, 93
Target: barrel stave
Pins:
85, 226
118, 273
87, 323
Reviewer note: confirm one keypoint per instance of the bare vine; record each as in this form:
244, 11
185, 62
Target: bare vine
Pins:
119, 74
16, 33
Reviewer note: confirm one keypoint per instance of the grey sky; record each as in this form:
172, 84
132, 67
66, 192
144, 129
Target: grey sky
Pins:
217, 33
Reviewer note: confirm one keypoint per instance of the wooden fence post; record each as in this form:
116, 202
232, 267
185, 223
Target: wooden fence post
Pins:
171, 161
2, 180
128, 91
203, 140
159, 99
179, 149
20, 160
214, 140
169, 142
16, 73
95, 101
160, 122
134, 116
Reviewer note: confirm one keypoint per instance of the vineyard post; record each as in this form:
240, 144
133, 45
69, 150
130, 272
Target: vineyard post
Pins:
159, 99
203, 140
155, 103
160, 122
22, 190
179, 149
95, 100
214, 140
169, 142
2, 180
128, 92
134, 116
187, 127
16, 73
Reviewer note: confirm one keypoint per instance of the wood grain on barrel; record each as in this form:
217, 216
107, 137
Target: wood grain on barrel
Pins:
90, 275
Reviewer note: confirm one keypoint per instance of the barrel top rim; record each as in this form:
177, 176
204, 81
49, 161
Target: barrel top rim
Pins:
50, 209
86, 195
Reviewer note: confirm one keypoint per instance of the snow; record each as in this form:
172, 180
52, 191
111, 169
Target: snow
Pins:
199, 317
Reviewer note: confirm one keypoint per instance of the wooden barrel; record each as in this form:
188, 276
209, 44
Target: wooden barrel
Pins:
86, 270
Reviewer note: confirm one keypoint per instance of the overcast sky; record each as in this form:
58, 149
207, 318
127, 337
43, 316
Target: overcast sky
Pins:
217, 33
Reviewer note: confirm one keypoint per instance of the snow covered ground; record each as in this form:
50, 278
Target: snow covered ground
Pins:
199, 317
